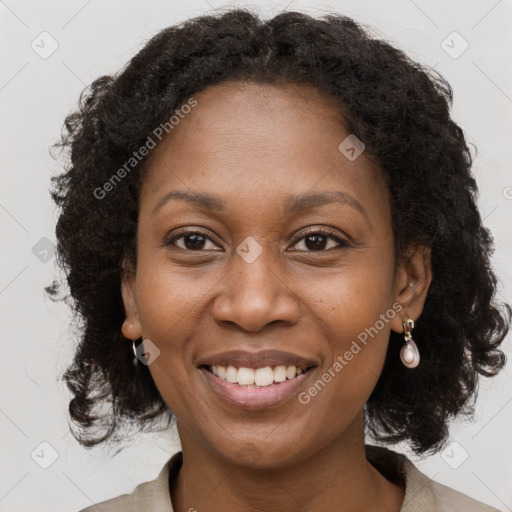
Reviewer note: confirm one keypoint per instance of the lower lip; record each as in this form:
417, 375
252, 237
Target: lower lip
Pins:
256, 398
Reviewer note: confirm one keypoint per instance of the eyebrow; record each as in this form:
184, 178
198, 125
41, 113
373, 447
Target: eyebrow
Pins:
296, 204
293, 205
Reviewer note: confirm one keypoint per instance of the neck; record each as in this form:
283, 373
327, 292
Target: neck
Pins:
337, 477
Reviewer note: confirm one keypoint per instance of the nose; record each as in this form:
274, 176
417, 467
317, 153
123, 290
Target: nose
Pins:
255, 294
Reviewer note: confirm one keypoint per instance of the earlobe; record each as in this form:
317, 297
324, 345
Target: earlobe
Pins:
412, 285
131, 326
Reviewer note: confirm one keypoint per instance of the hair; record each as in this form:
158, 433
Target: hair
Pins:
397, 107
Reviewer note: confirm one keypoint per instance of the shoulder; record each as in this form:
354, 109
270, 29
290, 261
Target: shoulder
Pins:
123, 502
423, 493
140, 499
150, 496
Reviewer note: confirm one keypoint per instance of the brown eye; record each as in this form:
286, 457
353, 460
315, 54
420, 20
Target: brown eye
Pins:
192, 241
318, 241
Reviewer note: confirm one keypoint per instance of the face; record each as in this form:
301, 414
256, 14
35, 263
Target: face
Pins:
271, 240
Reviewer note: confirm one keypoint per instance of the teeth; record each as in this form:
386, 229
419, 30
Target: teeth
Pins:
264, 376
291, 371
246, 376
231, 374
280, 373
261, 377
221, 372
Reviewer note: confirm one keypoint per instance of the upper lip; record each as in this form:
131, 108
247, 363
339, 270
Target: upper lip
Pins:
242, 358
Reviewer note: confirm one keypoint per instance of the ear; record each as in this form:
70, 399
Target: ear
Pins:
131, 326
412, 282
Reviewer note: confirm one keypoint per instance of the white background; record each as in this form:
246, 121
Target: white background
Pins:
96, 38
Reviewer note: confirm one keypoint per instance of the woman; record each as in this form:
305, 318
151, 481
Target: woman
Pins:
270, 234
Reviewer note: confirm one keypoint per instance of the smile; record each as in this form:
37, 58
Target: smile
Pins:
260, 377
258, 388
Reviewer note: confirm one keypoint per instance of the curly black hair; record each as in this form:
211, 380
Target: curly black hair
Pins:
397, 107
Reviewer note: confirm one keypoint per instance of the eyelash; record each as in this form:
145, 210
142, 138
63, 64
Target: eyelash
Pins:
314, 231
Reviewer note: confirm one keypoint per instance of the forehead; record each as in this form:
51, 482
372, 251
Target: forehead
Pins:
262, 142
252, 99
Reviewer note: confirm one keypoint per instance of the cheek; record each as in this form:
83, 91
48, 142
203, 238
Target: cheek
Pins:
350, 298
356, 360
354, 312
168, 319
168, 316
356, 355
168, 299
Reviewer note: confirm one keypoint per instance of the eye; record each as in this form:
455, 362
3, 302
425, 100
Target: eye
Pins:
192, 241
317, 240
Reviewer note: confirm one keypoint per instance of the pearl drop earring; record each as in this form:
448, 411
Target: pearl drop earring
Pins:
409, 353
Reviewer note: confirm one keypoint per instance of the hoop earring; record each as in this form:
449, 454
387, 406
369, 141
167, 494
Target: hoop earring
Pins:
409, 353
134, 348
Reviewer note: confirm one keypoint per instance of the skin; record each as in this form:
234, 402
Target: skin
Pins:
252, 145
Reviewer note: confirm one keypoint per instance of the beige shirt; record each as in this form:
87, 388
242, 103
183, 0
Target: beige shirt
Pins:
421, 493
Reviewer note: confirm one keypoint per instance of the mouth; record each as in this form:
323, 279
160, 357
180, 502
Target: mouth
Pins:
256, 377
255, 388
